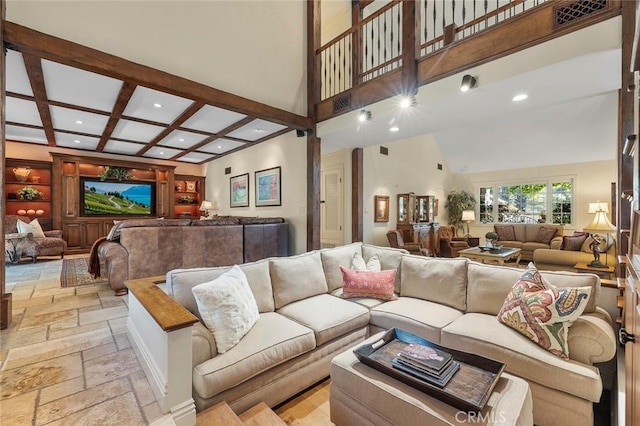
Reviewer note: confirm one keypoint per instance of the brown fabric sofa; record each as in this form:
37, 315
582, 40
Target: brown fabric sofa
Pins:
139, 248
51, 245
526, 237
453, 302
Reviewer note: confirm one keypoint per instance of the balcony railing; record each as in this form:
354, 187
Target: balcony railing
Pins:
374, 47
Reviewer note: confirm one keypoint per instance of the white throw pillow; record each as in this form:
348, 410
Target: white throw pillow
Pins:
33, 227
227, 307
357, 263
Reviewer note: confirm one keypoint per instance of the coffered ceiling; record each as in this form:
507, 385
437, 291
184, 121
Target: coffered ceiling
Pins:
66, 95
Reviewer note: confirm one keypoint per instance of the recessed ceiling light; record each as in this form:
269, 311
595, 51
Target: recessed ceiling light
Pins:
161, 153
364, 115
181, 139
79, 122
219, 146
76, 141
520, 97
258, 130
407, 101
394, 129
156, 105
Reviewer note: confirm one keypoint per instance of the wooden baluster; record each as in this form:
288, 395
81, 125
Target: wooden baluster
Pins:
486, 18
464, 15
339, 67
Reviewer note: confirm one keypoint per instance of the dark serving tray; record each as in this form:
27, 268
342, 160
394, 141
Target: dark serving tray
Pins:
468, 389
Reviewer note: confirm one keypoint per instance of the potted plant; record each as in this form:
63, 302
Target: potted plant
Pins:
119, 173
491, 237
457, 202
29, 193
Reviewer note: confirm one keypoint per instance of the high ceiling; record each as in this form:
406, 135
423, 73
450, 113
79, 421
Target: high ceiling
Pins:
569, 116
50, 102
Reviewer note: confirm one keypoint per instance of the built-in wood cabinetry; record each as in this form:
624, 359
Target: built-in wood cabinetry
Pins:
188, 195
19, 174
79, 230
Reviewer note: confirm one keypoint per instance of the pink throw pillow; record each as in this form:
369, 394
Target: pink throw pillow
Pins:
378, 285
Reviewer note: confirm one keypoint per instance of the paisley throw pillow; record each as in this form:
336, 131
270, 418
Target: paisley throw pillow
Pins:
378, 285
543, 313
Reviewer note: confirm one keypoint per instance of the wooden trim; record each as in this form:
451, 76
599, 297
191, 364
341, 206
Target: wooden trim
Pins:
410, 37
5, 298
186, 114
357, 194
35, 43
33, 65
625, 123
126, 91
313, 192
636, 41
169, 314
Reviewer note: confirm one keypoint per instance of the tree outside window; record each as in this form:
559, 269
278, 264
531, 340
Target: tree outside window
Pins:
527, 203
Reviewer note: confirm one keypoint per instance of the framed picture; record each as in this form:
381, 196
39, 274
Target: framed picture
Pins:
268, 185
239, 190
381, 208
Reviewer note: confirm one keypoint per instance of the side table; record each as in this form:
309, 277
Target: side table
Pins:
606, 272
12, 246
473, 241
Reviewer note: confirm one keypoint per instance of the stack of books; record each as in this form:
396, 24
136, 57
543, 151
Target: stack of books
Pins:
426, 363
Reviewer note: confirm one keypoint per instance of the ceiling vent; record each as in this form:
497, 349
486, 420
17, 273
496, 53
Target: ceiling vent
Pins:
570, 12
342, 103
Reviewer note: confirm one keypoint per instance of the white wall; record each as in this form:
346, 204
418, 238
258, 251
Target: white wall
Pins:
411, 166
286, 151
592, 183
255, 49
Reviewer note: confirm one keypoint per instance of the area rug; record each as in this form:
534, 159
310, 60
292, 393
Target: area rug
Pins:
75, 272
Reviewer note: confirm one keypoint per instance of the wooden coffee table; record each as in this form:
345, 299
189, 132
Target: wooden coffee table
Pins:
497, 257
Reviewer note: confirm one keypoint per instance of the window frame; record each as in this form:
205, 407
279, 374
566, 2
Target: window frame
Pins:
549, 181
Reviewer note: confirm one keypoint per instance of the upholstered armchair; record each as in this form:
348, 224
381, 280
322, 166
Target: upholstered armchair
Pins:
450, 245
51, 245
396, 241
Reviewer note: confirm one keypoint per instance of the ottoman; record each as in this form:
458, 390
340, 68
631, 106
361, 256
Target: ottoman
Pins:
362, 395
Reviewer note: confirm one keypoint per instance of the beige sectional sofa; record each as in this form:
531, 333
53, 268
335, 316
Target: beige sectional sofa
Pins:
527, 237
302, 325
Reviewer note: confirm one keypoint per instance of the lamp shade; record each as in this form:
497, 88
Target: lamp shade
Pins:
468, 215
206, 205
597, 207
600, 224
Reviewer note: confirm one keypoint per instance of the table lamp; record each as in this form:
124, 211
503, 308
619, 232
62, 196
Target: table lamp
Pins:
468, 216
600, 225
207, 206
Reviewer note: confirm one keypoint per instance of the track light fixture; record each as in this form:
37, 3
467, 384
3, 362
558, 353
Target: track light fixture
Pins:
407, 101
468, 82
364, 115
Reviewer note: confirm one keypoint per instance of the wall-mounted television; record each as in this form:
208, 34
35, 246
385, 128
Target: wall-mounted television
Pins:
122, 198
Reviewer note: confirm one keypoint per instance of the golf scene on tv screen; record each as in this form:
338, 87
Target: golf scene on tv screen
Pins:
117, 198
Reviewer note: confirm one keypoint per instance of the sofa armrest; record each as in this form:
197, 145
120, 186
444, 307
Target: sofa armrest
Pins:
116, 261
556, 242
204, 344
56, 233
592, 339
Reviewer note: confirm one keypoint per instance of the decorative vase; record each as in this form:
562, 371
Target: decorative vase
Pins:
39, 212
21, 173
31, 212
22, 212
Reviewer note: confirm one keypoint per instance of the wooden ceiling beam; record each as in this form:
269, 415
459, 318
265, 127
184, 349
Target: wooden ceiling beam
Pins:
187, 114
220, 134
33, 64
126, 91
37, 44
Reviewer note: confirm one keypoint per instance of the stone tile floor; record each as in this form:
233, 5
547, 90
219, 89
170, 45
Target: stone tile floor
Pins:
66, 357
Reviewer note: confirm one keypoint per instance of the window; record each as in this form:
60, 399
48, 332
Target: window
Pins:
527, 203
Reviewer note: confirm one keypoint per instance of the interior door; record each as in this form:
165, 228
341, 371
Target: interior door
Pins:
332, 206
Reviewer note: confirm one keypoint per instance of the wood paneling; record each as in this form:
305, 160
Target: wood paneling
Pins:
5, 298
73, 234
357, 194
69, 196
313, 192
